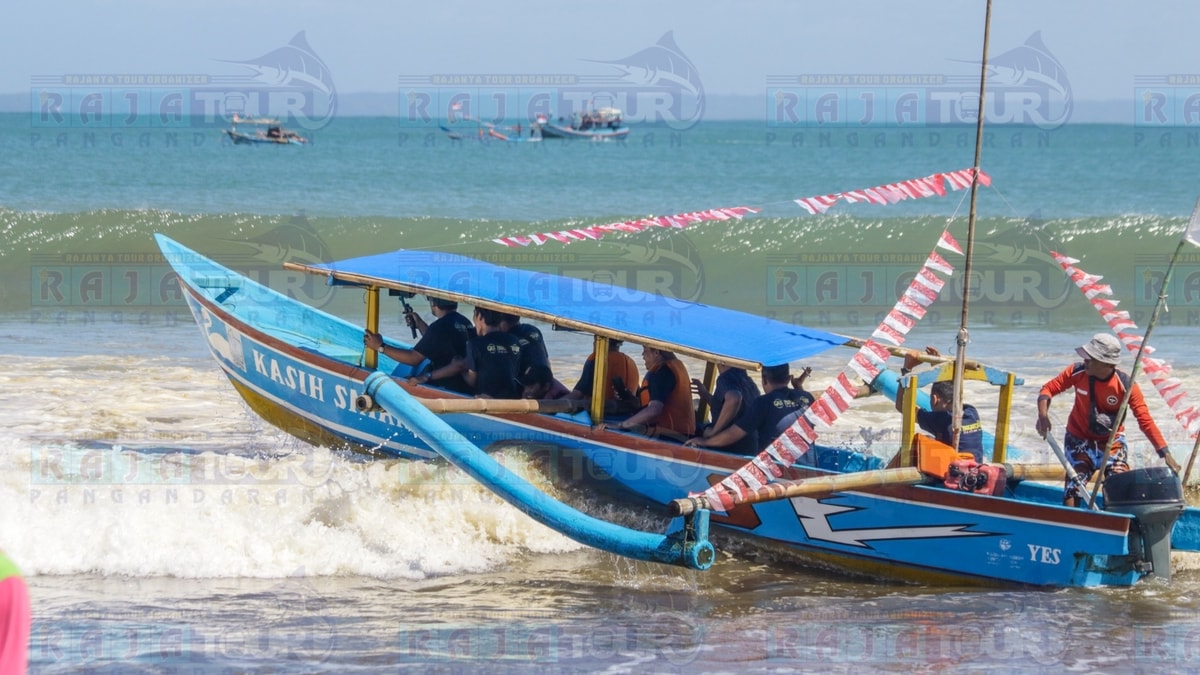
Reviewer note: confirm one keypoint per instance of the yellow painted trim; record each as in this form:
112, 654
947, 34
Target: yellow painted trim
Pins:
599, 378
372, 361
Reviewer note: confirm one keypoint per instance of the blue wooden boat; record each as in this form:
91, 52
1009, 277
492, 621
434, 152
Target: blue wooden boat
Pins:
240, 138
306, 372
597, 125
271, 133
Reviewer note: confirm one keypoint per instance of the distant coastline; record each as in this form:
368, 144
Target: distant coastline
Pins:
716, 107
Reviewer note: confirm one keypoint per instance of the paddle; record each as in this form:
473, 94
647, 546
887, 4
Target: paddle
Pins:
1070, 468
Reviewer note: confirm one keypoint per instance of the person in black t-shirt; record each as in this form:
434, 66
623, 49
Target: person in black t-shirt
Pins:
765, 418
441, 343
939, 419
493, 358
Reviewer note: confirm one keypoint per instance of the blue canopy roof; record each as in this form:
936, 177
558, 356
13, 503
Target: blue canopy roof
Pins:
703, 331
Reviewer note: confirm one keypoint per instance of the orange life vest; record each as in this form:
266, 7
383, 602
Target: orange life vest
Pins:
677, 414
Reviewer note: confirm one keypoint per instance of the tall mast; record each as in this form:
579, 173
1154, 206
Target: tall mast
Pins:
963, 336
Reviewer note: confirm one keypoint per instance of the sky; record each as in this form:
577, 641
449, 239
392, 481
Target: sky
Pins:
735, 47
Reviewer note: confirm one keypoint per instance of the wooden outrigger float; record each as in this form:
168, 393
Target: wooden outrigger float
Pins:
306, 372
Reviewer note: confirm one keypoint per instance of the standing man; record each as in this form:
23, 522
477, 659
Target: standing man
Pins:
441, 342
1099, 389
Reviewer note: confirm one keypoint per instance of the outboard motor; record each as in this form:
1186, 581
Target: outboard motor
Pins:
1154, 497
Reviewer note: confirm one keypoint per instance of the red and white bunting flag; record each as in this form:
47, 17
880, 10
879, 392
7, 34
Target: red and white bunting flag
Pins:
947, 242
815, 205
864, 368
874, 197
837, 396
845, 388
676, 221
888, 334
752, 476
899, 321
1156, 367
920, 294
820, 411
924, 186
788, 451
938, 263
1093, 290
1122, 324
929, 280
770, 469
868, 361
910, 307
890, 193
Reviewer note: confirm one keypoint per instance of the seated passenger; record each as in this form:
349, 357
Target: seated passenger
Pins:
733, 391
622, 372
489, 368
533, 346
441, 342
665, 397
938, 421
493, 358
538, 383
766, 417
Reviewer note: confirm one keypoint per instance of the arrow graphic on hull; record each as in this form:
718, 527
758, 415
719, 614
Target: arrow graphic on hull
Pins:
814, 518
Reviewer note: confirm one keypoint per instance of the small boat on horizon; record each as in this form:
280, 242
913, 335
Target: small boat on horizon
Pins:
601, 124
274, 133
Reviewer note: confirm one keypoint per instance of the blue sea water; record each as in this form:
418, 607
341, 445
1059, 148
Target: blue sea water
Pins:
347, 564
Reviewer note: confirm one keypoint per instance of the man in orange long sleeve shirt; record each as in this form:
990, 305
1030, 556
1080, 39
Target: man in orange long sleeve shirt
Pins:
1099, 389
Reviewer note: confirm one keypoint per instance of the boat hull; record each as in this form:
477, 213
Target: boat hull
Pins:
239, 138
297, 367
550, 130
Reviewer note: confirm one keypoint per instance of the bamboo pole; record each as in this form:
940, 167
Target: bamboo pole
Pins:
963, 336
860, 480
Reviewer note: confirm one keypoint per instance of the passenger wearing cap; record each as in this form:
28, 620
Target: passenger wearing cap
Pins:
1099, 388
441, 342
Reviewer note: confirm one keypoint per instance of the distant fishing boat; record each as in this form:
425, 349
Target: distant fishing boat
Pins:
487, 132
601, 124
273, 133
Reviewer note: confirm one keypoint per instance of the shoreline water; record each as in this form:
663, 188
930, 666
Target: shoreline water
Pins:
335, 562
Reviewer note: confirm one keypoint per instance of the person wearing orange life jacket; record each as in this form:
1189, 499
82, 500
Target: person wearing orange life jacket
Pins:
665, 396
1099, 389
621, 367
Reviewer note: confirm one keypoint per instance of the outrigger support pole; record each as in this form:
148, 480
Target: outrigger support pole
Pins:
685, 543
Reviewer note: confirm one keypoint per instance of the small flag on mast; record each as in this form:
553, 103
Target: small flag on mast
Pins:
1192, 235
